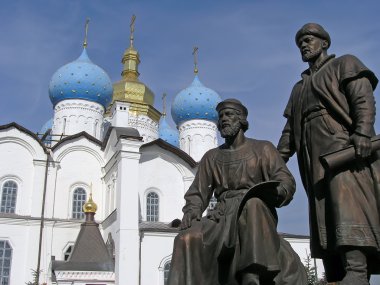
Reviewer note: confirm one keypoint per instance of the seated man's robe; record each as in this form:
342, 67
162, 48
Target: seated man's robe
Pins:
222, 245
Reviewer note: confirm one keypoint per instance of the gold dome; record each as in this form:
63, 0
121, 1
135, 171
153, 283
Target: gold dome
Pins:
130, 89
90, 206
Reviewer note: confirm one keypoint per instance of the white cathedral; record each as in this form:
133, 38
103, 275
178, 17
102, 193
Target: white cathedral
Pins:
107, 151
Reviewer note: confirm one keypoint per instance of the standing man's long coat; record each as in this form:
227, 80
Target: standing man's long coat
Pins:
325, 108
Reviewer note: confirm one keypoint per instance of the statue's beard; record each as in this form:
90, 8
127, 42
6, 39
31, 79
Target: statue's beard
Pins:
311, 55
230, 131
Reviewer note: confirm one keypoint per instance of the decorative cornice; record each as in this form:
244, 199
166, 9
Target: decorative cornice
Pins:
197, 124
81, 104
15, 219
85, 275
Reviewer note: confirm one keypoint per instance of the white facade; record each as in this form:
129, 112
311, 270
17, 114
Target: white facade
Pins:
75, 115
197, 136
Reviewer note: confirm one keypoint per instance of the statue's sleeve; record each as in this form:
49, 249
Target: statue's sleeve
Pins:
276, 169
358, 83
286, 145
201, 190
362, 103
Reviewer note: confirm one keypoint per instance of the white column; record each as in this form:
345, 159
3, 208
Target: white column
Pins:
127, 239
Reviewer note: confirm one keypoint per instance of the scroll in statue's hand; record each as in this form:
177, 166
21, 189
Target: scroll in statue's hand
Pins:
188, 217
362, 145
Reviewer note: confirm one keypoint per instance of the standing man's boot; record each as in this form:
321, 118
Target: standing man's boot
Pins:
355, 263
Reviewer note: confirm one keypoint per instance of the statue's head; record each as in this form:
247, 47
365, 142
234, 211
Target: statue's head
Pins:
312, 40
232, 117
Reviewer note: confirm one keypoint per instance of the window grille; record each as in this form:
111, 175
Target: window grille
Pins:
79, 198
5, 262
8, 197
152, 207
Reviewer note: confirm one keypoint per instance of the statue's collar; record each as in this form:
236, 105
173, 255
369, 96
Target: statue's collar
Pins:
317, 67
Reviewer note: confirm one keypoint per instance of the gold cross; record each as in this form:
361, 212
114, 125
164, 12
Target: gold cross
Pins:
195, 53
132, 27
164, 104
86, 32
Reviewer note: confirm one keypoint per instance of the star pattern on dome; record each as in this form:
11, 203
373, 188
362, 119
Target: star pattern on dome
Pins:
81, 79
195, 102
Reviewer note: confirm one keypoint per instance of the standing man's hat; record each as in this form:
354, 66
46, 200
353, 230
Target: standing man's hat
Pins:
314, 30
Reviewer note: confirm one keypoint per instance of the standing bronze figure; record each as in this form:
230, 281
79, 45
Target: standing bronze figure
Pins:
237, 242
330, 108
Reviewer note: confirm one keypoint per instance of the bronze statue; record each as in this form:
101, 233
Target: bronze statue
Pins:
237, 242
330, 108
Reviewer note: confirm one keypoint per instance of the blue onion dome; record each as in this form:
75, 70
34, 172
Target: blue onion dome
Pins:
81, 79
167, 133
195, 102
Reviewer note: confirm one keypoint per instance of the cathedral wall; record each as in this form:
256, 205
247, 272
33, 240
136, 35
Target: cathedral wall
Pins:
64, 234
19, 233
80, 165
156, 250
24, 164
163, 174
19, 168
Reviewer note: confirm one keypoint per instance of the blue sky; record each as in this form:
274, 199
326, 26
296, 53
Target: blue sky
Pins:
246, 51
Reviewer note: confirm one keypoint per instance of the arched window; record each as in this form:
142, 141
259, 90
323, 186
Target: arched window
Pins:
166, 272
79, 198
152, 204
8, 197
5, 262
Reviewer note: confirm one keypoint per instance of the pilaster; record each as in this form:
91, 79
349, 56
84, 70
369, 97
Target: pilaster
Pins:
127, 239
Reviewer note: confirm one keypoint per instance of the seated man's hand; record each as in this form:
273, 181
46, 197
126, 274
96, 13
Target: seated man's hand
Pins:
362, 145
274, 198
188, 217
